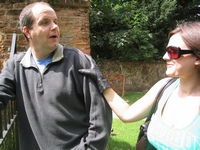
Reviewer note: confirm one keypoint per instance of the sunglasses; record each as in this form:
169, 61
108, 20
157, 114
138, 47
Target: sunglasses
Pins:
176, 52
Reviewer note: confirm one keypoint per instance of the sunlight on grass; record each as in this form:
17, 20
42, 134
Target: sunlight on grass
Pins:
124, 135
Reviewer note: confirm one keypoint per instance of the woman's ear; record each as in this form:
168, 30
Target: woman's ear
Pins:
197, 62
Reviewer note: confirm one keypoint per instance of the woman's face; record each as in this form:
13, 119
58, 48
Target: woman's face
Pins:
185, 66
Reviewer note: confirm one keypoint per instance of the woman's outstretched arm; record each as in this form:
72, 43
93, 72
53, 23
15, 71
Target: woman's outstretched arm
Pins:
136, 111
127, 113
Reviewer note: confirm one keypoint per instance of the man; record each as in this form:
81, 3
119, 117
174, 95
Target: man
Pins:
58, 108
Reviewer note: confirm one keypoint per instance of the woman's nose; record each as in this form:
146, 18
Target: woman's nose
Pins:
166, 56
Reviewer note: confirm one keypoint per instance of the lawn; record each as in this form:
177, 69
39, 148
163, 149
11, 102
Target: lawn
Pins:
124, 135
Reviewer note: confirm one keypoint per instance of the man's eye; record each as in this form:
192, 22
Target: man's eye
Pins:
45, 22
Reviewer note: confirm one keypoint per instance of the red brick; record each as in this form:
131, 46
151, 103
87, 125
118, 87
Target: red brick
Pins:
73, 23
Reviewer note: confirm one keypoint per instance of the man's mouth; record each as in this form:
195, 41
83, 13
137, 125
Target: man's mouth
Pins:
54, 36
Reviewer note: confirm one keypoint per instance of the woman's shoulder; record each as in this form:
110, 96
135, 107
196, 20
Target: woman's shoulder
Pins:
166, 80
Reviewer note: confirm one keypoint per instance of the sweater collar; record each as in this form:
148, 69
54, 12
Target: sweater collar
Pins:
27, 61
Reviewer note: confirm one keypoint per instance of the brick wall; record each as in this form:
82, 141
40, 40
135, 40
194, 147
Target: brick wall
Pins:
73, 22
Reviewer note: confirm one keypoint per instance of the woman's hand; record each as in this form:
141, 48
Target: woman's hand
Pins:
95, 74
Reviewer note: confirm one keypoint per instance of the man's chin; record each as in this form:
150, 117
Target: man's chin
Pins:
54, 46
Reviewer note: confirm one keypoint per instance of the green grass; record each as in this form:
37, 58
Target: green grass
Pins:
124, 135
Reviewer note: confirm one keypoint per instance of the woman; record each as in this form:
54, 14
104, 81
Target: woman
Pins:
176, 122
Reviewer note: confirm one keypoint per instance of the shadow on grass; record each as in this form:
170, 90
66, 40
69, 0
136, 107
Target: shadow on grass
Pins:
119, 145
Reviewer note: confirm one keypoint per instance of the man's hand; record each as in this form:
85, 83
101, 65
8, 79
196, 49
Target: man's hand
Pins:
95, 74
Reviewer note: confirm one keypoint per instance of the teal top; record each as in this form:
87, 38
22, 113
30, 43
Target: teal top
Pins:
163, 137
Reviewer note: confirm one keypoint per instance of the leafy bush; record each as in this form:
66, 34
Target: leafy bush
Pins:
134, 29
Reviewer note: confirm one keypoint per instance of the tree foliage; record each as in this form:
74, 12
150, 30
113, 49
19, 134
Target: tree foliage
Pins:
135, 29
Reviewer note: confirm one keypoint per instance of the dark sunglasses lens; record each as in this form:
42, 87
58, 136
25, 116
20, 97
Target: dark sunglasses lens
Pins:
173, 52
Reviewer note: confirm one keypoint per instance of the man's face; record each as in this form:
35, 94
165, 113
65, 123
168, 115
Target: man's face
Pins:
45, 34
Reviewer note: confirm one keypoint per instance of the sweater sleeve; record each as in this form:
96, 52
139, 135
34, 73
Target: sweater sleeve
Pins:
7, 83
99, 115
100, 118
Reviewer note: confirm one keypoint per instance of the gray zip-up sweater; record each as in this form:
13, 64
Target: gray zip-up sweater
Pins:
59, 109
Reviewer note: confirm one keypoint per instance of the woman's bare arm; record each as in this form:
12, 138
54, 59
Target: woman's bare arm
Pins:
138, 110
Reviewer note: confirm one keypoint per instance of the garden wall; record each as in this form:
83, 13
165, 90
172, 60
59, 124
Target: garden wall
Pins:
139, 76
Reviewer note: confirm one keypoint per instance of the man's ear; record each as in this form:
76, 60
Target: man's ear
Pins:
26, 32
